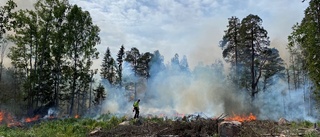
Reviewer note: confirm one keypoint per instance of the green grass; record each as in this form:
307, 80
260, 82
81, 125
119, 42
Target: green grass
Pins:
82, 127
62, 128
302, 124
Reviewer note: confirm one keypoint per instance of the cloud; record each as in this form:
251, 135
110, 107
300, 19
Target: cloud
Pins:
191, 27
187, 27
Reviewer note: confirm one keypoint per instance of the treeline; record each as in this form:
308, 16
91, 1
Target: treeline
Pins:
55, 48
304, 42
53, 52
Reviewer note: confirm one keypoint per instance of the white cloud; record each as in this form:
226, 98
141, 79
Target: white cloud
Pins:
187, 27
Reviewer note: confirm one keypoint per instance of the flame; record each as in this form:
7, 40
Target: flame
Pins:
1, 116
77, 116
242, 118
7, 118
179, 115
35, 118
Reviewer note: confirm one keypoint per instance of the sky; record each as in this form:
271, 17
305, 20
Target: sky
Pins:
187, 27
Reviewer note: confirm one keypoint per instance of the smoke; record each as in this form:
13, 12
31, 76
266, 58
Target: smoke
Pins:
171, 91
279, 102
205, 90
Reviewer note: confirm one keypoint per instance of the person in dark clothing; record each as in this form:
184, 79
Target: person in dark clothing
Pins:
136, 108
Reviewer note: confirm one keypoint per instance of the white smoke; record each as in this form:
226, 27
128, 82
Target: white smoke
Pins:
207, 91
290, 104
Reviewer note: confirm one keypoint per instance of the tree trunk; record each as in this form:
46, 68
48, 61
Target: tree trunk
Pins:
252, 68
74, 79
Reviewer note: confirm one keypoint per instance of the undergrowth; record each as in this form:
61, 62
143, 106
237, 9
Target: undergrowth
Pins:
70, 127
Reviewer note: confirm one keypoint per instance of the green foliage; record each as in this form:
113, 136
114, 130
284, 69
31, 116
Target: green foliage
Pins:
155, 119
246, 47
100, 94
301, 124
109, 68
304, 46
104, 117
120, 58
60, 128
54, 48
312, 134
307, 124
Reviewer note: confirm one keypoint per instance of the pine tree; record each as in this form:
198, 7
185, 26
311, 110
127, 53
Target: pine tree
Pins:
156, 63
100, 94
246, 47
231, 46
108, 68
120, 58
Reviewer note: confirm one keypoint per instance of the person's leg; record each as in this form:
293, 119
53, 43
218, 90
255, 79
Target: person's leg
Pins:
137, 113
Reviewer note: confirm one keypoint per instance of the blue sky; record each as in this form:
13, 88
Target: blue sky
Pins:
187, 27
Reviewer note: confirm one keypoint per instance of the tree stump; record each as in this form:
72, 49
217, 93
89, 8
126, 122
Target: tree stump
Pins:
229, 128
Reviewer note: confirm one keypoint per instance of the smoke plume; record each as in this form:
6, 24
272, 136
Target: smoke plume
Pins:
205, 90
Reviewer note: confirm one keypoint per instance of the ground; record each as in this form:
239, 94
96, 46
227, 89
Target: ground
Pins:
206, 127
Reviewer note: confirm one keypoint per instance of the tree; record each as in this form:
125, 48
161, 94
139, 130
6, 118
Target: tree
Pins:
175, 64
274, 65
100, 94
231, 45
246, 48
55, 46
108, 68
6, 23
143, 67
307, 34
156, 63
39, 50
120, 58
255, 41
132, 57
82, 36
22, 55
184, 65
3, 46
305, 39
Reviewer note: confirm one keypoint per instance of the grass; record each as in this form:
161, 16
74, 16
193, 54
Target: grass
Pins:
73, 127
62, 128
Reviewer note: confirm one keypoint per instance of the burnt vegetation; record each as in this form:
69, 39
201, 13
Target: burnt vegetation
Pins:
50, 88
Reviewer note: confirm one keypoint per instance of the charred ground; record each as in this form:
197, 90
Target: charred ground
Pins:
207, 127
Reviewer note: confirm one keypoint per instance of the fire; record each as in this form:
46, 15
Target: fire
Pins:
242, 118
1, 116
179, 115
7, 118
35, 118
77, 116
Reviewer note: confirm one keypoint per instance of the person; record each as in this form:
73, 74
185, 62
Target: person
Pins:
136, 108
